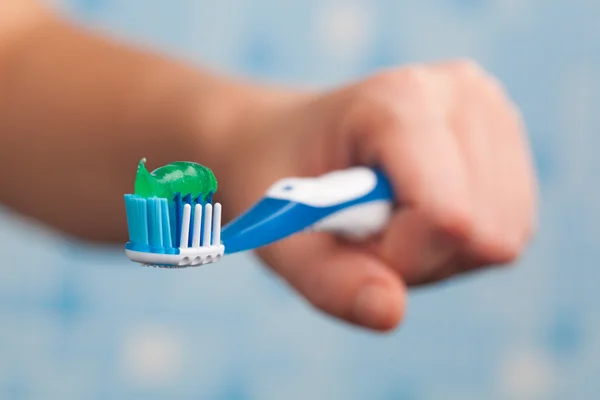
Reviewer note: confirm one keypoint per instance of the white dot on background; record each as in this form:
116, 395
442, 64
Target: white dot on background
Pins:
344, 29
152, 356
525, 374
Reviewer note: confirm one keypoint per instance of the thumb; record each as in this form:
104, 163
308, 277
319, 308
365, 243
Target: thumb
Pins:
339, 279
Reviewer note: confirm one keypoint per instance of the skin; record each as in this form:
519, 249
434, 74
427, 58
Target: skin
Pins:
79, 110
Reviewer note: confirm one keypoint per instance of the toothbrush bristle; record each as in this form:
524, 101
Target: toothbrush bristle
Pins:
178, 215
197, 225
166, 224
216, 240
155, 223
207, 225
153, 241
185, 226
136, 219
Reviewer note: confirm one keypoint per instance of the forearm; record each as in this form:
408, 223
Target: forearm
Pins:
77, 112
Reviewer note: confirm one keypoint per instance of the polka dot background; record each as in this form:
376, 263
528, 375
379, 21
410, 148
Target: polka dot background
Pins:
84, 323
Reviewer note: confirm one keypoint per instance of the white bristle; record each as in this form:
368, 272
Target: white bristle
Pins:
207, 225
197, 225
185, 226
217, 225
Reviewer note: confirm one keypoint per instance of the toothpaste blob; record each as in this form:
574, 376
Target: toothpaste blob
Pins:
180, 177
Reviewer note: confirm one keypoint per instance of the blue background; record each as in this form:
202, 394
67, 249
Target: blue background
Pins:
84, 323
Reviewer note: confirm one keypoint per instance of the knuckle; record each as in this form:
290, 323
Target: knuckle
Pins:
496, 92
502, 250
394, 100
414, 84
455, 222
413, 76
415, 97
369, 115
495, 86
409, 80
467, 67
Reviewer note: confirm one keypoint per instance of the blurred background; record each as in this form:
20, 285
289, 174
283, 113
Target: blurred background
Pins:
85, 323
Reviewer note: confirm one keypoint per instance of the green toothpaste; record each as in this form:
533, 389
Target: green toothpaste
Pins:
177, 177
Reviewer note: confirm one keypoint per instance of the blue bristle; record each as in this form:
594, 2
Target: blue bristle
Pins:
129, 210
173, 222
166, 225
200, 201
193, 212
178, 217
209, 197
136, 219
150, 223
154, 223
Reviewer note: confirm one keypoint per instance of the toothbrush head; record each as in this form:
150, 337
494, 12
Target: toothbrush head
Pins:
168, 229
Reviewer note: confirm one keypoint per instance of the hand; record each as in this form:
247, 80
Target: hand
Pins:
452, 144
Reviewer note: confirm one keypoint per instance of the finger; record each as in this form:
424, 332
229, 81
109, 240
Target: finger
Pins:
417, 246
490, 138
429, 176
345, 282
504, 200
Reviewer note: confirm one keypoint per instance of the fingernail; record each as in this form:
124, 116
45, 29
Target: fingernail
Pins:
373, 305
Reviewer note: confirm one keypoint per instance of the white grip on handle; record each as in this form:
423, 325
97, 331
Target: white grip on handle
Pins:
361, 214
357, 222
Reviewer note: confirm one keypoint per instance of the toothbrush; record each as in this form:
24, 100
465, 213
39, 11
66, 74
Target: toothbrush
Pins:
354, 203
